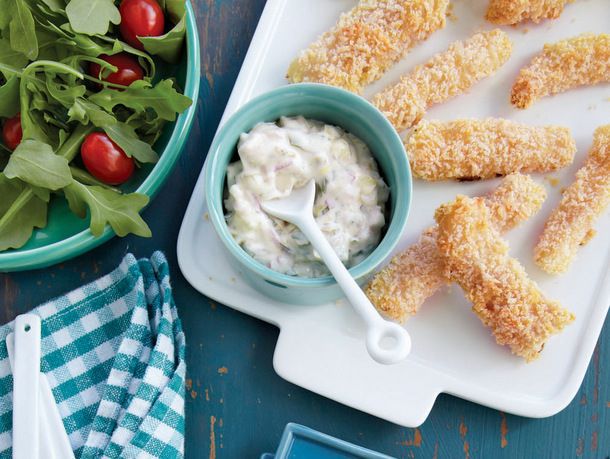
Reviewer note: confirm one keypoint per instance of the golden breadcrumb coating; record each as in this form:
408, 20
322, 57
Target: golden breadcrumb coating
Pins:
446, 75
507, 12
515, 200
481, 149
571, 223
414, 275
366, 41
583, 60
504, 298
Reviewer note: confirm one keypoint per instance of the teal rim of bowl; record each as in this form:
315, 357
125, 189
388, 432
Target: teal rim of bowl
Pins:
85, 240
393, 232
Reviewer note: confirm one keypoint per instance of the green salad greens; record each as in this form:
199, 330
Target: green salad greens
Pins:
47, 48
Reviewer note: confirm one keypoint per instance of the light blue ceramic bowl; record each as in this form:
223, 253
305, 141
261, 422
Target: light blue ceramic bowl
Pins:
333, 106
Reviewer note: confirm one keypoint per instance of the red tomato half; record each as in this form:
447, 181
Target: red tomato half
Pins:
141, 18
11, 132
129, 70
105, 160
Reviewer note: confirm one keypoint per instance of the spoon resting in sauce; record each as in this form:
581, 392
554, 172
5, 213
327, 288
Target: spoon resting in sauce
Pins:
386, 342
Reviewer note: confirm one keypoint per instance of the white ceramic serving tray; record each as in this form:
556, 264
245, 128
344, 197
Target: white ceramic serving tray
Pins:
321, 347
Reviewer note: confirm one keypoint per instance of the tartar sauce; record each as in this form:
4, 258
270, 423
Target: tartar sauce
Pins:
350, 199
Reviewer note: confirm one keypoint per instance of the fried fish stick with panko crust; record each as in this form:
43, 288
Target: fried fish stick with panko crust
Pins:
579, 61
446, 75
505, 299
414, 275
508, 12
482, 149
366, 41
571, 223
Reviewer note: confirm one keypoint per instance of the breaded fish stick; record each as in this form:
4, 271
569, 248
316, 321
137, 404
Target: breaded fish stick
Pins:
508, 12
411, 277
481, 149
583, 60
504, 298
414, 275
446, 75
571, 223
366, 41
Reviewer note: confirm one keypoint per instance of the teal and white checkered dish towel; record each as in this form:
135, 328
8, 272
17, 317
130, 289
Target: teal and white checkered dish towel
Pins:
113, 353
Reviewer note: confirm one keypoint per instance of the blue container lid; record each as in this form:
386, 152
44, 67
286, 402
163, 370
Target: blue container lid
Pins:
300, 442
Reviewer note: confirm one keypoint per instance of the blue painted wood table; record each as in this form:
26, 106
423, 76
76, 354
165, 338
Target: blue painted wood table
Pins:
236, 405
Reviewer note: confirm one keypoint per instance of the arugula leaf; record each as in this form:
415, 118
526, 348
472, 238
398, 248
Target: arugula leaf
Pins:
140, 96
83, 43
22, 30
38, 103
20, 212
5, 13
86, 178
92, 17
169, 46
33, 93
52, 118
41, 193
32, 122
9, 97
93, 46
125, 136
13, 60
175, 9
149, 131
146, 61
65, 95
56, 6
119, 210
35, 163
48, 47
86, 112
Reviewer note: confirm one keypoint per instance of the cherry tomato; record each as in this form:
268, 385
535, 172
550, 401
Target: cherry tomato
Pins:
129, 70
141, 18
105, 160
11, 132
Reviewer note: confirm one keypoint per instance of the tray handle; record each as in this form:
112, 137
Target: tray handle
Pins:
327, 362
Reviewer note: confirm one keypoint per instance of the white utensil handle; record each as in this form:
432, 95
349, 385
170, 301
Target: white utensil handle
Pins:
54, 441
26, 370
398, 345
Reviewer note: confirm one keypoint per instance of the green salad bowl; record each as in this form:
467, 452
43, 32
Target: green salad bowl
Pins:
67, 236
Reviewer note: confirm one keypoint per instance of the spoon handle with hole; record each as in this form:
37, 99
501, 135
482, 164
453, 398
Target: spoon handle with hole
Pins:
54, 441
26, 370
377, 327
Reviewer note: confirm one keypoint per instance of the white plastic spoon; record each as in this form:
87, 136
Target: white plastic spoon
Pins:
26, 368
387, 342
54, 442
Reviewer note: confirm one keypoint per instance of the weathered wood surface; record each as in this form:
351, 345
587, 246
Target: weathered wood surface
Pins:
236, 405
